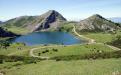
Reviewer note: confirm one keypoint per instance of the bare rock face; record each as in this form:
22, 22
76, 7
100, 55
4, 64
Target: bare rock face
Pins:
4, 33
50, 19
96, 22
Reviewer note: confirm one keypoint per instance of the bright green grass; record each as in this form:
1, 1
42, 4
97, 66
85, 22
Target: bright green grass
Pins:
18, 30
102, 37
80, 67
13, 50
72, 50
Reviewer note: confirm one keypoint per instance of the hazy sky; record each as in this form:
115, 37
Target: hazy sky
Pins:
70, 9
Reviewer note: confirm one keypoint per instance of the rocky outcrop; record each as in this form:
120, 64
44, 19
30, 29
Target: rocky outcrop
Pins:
4, 33
50, 19
96, 23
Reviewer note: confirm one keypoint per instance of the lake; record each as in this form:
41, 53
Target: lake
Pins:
37, 38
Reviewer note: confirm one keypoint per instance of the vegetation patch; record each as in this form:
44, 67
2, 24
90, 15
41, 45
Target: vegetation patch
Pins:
97, 55
116, 41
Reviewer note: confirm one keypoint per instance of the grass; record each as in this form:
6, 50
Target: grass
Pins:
18, 30
102, 37
16, 49
72, 50
80, 67
66, 27
73, 67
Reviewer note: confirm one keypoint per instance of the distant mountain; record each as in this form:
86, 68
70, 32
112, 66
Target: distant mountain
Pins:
5, 33
0, 22
115, 19
96, 23
50, 19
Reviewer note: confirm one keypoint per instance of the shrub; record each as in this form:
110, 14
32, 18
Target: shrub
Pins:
55, 50
17, 64
26, 60
39, 54
43, 52
29, 61
4, 44
116, 41
46, 50
58, 59
97, 55
1, 61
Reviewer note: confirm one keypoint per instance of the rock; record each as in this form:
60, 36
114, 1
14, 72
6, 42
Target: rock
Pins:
96, 23
50, 19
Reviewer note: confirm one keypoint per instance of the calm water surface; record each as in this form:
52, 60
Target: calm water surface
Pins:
37, 38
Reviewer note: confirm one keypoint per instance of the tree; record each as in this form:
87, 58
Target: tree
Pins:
4, 44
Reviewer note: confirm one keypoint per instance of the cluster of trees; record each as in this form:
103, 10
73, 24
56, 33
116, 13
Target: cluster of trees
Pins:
47, 50
4, 44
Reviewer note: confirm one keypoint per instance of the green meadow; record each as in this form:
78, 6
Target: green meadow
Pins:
50, 67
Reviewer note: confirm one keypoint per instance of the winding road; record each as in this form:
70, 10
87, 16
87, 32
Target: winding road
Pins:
91, 41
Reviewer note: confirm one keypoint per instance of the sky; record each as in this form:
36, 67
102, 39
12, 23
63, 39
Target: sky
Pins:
70, 9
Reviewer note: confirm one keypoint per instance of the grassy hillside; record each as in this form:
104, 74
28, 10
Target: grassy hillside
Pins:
16, 49
102, 37
80, 67
72, 50
100, 66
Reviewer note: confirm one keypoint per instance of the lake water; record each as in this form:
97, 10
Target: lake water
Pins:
37, 38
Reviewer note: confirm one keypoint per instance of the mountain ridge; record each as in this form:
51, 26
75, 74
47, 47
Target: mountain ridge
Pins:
50, 19
0, 22
96, 22
115, 19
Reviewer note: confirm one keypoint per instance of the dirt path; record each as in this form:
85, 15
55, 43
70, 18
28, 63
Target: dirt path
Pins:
91, 41
113, 47
32, 53
43, 57
81, 36
1, 74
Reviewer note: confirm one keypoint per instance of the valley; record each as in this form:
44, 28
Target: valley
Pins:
99, 55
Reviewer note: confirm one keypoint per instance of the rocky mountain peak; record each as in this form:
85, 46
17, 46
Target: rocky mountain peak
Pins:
51, 19
53, 13
46, 21
96, 16
97, 23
